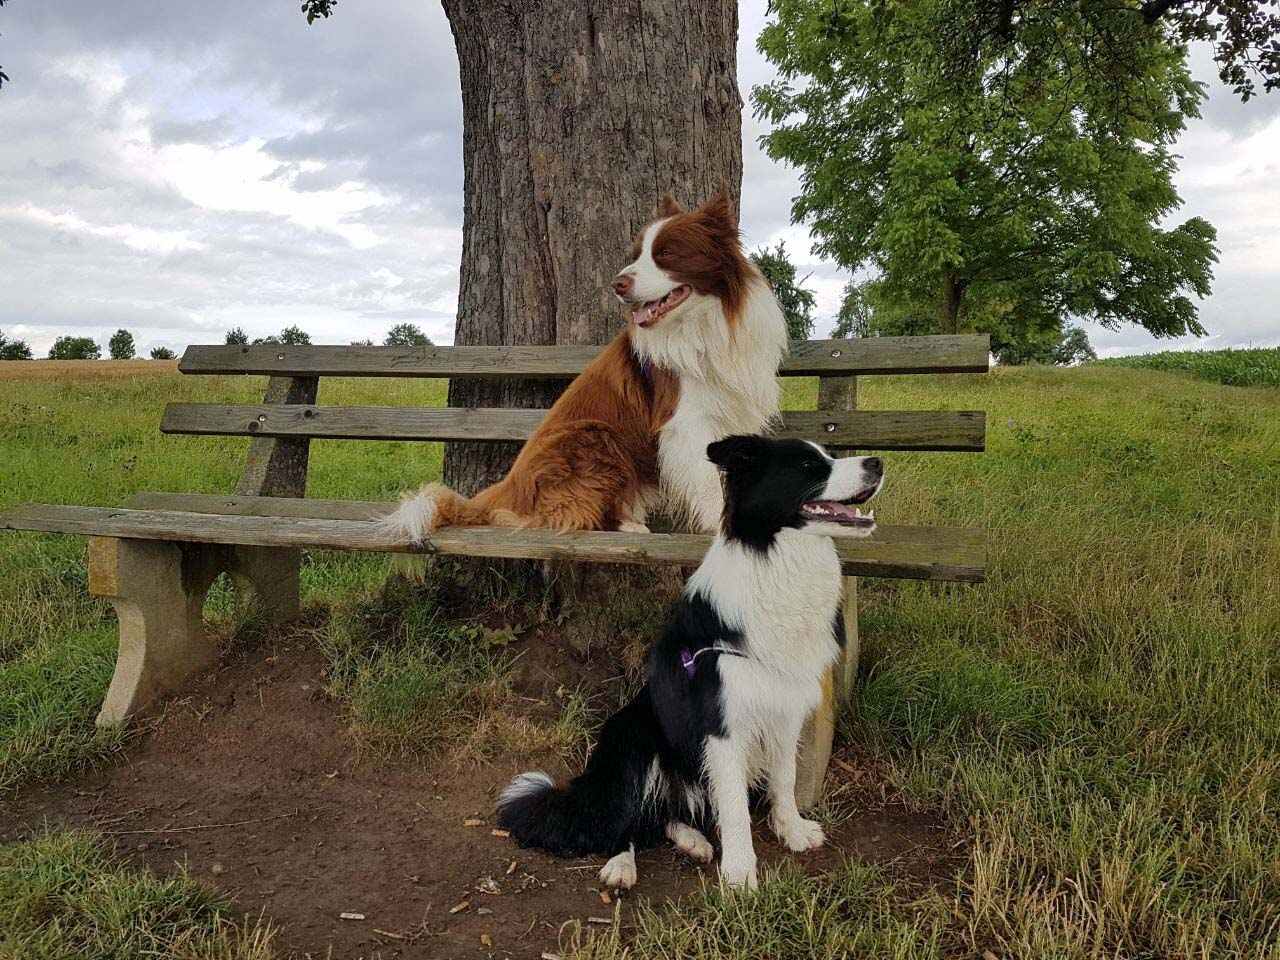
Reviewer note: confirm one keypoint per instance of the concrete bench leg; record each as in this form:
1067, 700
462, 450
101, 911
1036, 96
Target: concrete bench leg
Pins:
266, 581
158, 590
819, 733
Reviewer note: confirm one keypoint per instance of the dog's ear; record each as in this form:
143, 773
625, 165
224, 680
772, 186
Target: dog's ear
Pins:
719, 209
735, 451
668, 206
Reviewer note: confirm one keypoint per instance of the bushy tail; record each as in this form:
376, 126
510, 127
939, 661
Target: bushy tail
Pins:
615, 800
430, 508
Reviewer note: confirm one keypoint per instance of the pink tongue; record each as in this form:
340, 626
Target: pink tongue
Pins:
643, 314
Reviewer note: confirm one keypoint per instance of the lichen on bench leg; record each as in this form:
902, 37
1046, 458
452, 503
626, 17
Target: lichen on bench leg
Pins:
158, 591
819, 733
266, 581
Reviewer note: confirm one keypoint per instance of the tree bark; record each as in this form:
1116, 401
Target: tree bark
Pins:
578, 116
952, 294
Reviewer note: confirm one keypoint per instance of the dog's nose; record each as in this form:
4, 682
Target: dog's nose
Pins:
623, 283
873, 465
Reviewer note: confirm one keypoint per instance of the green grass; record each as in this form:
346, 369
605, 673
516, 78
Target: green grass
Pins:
853, 912
1258, 367
1097, 722
65, 896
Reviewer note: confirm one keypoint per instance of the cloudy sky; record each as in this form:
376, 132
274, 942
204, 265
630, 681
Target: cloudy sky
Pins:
180, 168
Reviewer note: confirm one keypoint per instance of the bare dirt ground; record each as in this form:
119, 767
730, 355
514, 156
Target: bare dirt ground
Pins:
253, 784
85, 369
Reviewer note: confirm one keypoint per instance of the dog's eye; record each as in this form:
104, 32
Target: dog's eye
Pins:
664, 254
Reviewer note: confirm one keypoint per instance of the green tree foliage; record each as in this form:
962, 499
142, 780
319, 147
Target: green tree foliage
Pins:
290, 336
236, 336
13, 349
855, 316
407, 335
121, 346
318, 8
797, 303
1022, 176
163, 353
75, 348
1061, 347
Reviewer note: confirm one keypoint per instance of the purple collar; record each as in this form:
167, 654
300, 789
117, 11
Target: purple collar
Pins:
689, 659
646, 367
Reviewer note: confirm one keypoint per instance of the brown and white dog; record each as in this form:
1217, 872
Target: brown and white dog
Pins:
697, 362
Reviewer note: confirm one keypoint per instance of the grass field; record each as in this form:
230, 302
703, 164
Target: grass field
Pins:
1238, 368
1096, 723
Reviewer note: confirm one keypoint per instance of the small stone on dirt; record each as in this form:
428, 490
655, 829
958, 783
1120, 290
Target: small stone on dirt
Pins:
217, 869
351, 916
484, 912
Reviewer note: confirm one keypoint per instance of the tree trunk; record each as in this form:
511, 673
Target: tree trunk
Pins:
952, 293
578, 116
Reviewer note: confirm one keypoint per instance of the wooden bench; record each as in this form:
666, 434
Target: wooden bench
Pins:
156, 557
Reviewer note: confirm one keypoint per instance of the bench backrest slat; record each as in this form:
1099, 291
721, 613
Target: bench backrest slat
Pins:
964, 353
864, 429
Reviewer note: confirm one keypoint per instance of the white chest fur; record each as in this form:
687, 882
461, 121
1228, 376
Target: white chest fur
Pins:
728, 385
784, 603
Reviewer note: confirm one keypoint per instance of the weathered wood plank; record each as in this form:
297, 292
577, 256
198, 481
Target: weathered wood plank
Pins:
966, 353
963, 430
938, 553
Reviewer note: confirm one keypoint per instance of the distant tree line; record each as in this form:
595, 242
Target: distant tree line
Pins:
123, 346
401, 335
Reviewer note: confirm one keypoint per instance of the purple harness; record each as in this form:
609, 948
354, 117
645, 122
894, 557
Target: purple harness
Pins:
689, 659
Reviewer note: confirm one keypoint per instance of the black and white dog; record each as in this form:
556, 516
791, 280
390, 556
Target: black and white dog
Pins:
729, 685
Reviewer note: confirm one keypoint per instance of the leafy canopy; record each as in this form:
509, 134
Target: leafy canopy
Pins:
797, 303
163, 353
236, 337
292, 336
75, 348
13, 349
1023, 176
407, 335
121, 346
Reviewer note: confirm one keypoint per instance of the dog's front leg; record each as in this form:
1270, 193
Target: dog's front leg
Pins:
797, 833
726, 768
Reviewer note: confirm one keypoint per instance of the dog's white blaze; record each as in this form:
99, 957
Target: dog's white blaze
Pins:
848, 477
728, 384
651, 281
411, 521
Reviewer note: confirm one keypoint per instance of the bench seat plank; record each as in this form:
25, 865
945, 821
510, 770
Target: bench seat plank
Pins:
957, 430
924, 553
963, 353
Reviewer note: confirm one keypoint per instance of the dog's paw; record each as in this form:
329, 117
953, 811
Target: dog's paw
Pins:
690, 842
800, 835
738, 872
630, 526
620, 872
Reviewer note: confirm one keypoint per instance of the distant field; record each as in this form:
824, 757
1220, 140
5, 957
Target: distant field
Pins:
84, 369
1096, 724
1237, 368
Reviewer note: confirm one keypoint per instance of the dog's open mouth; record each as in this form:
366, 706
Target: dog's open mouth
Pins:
647, 314
841, 512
